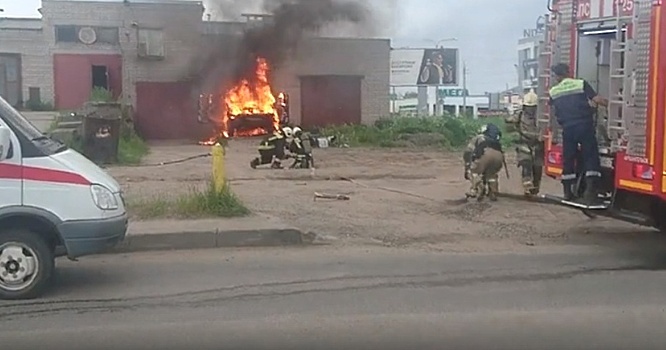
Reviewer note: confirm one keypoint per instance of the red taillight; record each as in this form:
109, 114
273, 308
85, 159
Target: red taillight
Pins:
555, 157
643, 171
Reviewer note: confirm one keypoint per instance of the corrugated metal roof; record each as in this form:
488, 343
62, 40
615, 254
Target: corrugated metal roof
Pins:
21, 23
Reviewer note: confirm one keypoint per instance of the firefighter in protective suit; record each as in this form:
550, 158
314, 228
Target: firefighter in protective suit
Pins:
301, 149
483, 161
271, 151
529, 146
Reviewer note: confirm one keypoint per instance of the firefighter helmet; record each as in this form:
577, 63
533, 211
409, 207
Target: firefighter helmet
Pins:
530, 99
287, 131
297, 131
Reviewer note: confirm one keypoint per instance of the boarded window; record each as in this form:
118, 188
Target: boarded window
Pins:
107, 35
66, 34
151, 43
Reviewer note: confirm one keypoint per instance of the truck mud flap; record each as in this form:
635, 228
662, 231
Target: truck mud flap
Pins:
561, 201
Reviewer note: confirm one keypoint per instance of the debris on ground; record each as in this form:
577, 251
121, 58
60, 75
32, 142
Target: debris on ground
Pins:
340, 197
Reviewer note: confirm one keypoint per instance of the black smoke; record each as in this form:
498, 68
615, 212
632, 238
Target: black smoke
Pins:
277, 39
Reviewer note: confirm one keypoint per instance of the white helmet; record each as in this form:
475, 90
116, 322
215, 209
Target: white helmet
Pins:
287, 131
297, 130
483, 128
530, 99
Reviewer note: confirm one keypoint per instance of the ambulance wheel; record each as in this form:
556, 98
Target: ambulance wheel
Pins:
27, 264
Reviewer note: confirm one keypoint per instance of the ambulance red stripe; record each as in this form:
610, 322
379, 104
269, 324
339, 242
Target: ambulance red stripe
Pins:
18, 172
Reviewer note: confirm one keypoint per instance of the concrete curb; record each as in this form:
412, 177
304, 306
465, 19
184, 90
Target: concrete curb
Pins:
213, 239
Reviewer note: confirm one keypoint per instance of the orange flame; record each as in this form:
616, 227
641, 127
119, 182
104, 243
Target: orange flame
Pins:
249, 99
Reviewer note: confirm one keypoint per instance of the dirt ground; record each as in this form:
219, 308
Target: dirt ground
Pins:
400, 197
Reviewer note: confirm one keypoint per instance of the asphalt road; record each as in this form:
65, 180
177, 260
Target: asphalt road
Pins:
344, 298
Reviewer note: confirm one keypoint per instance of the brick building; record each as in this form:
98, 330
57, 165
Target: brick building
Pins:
144, 52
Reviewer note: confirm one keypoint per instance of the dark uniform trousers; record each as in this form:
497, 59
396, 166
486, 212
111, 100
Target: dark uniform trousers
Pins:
585, 136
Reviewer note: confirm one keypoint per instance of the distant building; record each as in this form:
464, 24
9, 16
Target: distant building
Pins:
147, 53
528, 56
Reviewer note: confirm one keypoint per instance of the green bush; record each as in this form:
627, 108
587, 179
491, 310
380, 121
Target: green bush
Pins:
39, 106
99, 94
437, 131
131, 147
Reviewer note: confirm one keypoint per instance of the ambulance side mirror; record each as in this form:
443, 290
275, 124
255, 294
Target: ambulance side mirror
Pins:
5, 142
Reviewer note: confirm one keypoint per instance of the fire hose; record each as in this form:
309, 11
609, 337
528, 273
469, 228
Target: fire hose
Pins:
175, 161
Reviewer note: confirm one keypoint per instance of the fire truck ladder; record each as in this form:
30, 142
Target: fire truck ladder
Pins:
621, 71
637, 109
557, 49
546, 48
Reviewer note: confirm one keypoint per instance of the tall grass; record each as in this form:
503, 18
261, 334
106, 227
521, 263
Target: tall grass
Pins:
206, 203
437, 131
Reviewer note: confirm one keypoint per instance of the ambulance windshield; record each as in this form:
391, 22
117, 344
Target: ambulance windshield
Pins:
17, 122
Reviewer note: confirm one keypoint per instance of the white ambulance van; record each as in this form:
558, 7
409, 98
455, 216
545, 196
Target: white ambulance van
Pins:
53, 202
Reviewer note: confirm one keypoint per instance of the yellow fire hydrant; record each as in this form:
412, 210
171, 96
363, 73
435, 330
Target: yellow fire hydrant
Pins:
219, 172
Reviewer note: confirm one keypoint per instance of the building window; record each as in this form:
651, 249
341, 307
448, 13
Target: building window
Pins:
107, 35
66, 34
103, 35
151, 43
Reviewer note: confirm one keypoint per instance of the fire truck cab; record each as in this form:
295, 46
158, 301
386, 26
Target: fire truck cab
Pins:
618, 47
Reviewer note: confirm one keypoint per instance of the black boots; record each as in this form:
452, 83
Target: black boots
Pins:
568, 191
591, 196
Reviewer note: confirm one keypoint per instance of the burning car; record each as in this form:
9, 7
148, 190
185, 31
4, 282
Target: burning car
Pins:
249, 108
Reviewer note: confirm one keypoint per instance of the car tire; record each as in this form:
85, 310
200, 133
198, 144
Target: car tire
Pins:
28, 255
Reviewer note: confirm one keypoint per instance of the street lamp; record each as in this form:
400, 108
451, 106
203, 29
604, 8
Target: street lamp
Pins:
439, 42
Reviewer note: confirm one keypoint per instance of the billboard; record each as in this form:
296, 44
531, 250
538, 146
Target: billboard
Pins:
431, 67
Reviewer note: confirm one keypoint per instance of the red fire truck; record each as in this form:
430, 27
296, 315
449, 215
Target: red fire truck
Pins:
618, 46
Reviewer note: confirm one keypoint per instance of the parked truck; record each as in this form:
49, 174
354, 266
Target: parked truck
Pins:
618, 46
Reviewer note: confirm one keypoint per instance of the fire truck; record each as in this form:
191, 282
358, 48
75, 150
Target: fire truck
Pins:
618, 46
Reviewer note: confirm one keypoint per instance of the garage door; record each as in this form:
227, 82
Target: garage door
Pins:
330, 100
165, 111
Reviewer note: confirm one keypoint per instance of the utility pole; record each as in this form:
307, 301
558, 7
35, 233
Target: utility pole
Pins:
464, 83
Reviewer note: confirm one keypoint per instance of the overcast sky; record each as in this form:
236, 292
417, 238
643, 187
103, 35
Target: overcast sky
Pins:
487, 31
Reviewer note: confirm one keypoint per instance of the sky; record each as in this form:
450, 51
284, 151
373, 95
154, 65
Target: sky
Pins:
486, 31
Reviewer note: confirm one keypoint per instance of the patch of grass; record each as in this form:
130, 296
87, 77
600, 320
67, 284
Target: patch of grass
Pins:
196, 204
131, 149
439, 131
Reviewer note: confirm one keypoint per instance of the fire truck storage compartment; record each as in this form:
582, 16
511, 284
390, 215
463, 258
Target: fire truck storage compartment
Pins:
593, 57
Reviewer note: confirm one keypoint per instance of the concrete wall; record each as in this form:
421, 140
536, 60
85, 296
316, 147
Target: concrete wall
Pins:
327, 56
185, 46
36, 65
180, 22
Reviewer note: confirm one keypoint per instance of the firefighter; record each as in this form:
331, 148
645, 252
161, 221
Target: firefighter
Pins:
529, 146
288, 133
483, 161
283, 109
271, 151
301, 149
570, 99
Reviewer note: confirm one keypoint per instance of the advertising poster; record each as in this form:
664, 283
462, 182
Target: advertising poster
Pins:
427, 67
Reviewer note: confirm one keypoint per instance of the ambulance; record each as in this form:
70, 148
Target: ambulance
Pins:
53, 202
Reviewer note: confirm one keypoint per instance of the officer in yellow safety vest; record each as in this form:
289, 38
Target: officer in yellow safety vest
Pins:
570, 98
